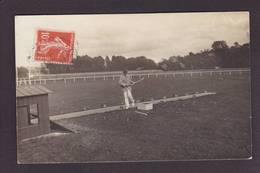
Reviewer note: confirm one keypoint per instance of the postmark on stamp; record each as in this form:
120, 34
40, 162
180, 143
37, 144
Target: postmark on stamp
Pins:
54, 47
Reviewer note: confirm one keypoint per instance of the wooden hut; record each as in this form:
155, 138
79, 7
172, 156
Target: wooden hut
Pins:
32, 111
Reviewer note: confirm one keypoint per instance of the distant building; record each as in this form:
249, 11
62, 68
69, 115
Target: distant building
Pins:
36, 71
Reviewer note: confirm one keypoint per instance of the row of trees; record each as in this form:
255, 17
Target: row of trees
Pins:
88, 64
221, 55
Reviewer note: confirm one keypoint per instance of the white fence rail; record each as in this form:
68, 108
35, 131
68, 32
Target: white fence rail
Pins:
86, 74
68, 78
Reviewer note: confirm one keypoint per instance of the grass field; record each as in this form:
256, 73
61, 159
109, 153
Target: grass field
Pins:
92, 94
212, 127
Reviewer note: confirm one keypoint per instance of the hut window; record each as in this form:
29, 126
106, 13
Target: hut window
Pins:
33, 114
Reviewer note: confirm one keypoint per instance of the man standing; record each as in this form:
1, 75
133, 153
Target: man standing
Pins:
126, 83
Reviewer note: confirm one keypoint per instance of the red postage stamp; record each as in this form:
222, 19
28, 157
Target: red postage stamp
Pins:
54, 47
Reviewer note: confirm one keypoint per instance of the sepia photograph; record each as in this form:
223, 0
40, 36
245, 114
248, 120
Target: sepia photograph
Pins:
133, 87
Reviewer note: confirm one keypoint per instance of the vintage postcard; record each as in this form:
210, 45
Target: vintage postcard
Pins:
133, 87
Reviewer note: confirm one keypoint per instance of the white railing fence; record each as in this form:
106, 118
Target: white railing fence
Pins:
68, 78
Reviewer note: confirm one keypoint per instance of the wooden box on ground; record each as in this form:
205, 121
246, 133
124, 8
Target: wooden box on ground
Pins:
145, 106
32, 111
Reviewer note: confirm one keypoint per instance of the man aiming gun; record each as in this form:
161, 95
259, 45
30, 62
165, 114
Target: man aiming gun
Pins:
126, 83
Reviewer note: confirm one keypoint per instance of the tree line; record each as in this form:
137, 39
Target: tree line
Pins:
219, 56
96, 64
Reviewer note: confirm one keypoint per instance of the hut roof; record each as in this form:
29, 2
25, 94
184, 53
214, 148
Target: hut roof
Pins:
25, 91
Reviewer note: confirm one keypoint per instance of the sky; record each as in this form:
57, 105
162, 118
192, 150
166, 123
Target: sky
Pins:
154, 35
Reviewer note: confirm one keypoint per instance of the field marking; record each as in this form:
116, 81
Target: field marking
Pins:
142, 113
51, 134
119, 107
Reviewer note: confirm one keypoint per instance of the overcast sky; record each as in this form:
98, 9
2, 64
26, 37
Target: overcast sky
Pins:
156, 36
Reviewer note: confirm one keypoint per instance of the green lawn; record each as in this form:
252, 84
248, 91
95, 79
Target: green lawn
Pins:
92, 94
211, 127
